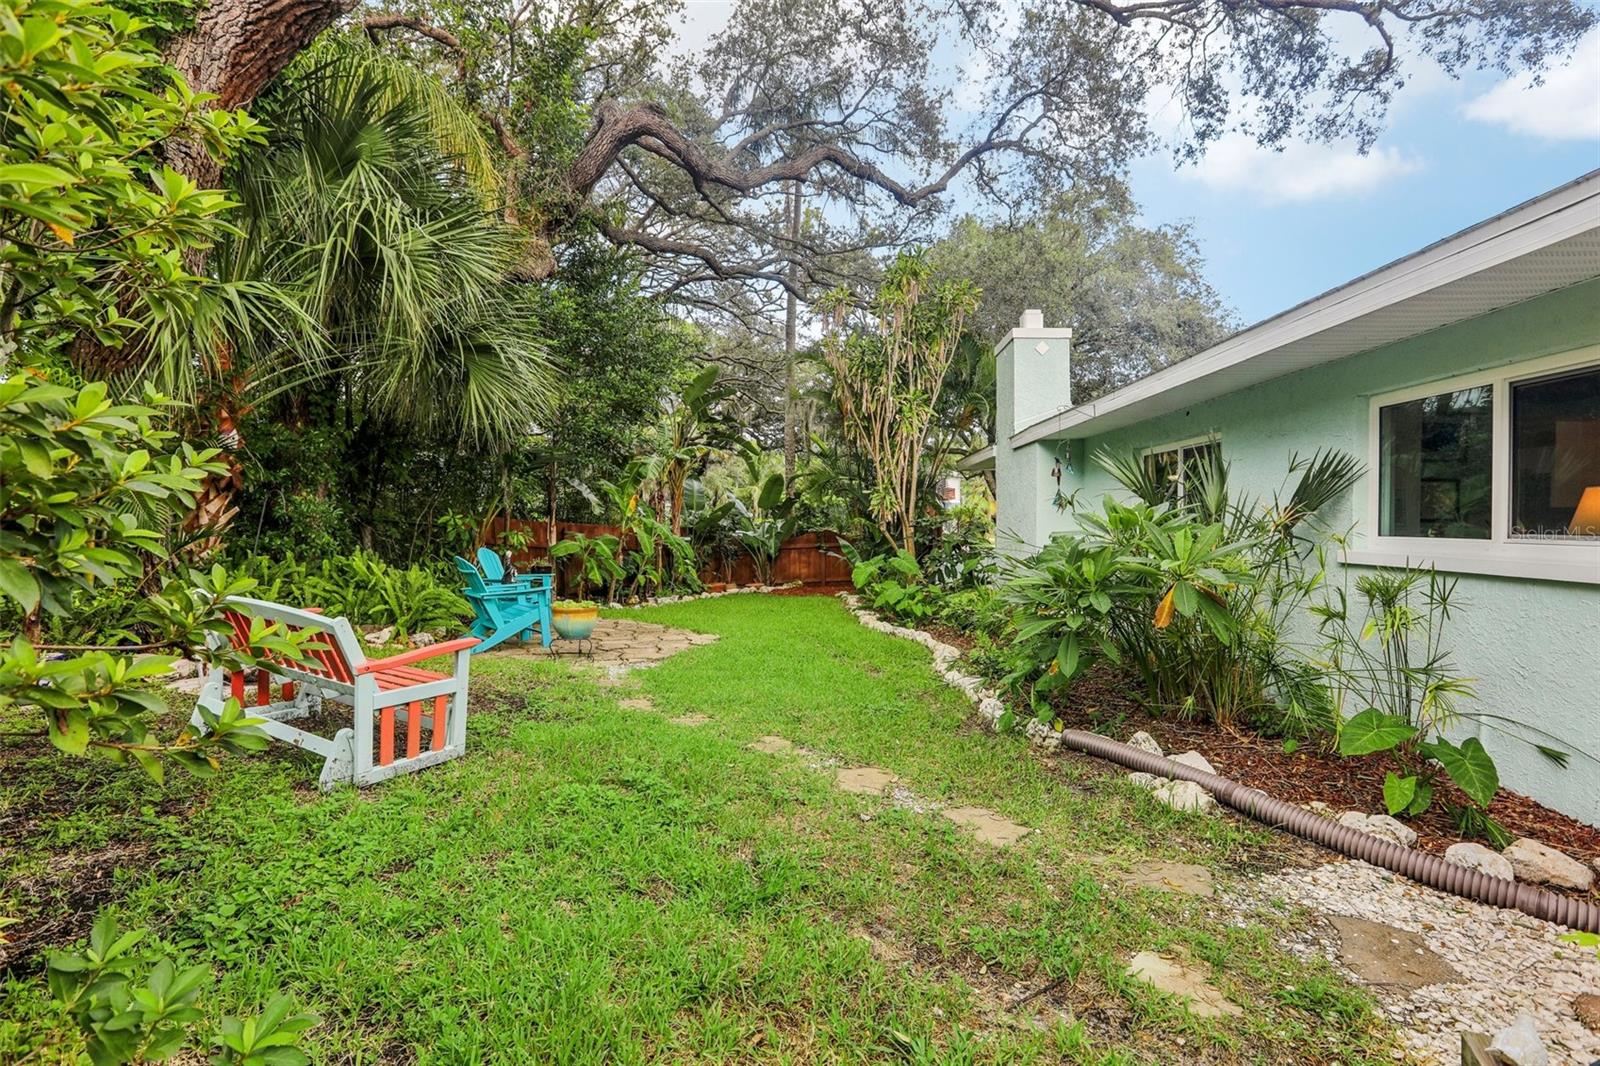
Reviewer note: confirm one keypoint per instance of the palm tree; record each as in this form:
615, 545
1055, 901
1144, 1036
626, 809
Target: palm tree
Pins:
689, 431
373, 207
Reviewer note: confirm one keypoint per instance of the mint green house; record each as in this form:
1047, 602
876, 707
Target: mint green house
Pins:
1466, 377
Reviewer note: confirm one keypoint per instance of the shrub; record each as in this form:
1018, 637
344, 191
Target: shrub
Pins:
980, 611
86, 486
365, 589
1195, 596
892, 584
594, 560
130, 1007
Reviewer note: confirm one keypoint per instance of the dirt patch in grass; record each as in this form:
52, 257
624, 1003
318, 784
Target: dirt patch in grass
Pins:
54, 881
65, 898
1108, 704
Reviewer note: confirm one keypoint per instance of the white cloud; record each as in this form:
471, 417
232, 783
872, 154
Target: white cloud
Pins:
1565, 108
697, 23
1301, 172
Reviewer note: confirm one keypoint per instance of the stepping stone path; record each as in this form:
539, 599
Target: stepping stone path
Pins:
1190, 982
1380, 954
982, 823
637, 703
1181, 877
986, 825
689, 719
864, 780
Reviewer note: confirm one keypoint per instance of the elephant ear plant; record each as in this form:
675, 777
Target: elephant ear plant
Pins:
1390, 658
763, 528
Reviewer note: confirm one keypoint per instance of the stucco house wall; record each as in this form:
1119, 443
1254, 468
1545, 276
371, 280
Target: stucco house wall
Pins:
1533, 646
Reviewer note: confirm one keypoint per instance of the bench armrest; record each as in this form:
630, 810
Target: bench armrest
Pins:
406, 658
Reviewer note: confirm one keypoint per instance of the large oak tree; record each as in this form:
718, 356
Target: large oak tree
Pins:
852, 102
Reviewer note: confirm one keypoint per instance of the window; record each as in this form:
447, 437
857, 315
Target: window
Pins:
1174, 465
1436, 465
1490, 473
1555, 456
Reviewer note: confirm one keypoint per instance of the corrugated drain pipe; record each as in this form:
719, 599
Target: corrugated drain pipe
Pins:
1419, 866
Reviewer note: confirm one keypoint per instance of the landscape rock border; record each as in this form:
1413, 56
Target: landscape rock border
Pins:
662, 601
1534, 862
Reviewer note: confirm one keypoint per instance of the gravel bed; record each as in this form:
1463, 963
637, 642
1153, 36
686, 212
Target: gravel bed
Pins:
1511, 962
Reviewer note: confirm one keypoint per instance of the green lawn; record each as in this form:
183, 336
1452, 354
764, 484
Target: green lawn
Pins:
595, 884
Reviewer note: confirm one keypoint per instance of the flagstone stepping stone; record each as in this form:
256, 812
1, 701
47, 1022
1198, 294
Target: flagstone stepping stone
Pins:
1380, 954
1181, 877
986, 825
637, 703
864, 780
689, 719
771, 745
1190, 982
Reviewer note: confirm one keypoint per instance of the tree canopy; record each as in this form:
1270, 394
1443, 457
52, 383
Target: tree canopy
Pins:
851, 100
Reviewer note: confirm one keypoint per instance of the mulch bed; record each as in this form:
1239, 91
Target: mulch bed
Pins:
1108, 704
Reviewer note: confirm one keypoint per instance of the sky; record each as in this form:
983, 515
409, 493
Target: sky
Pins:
1277, 228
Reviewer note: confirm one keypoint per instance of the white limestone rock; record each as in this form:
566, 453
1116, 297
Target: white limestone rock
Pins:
1518, 1044
1145, 742
991, 709
1392, 829
1544, 865
377, 638
422, 640
1196, 760
184, 668
1477, 857
1379, 825
1186, 796
1149, 782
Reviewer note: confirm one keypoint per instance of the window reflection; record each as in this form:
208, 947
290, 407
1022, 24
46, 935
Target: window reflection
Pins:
1436, 462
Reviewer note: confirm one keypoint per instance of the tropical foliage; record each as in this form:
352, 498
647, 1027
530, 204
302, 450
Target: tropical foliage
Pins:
1396, 685
86, 485
96, 233
365, 589
1195, 597
889, 362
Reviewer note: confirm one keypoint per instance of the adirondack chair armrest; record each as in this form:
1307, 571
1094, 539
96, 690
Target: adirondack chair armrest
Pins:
506, 592
406, 658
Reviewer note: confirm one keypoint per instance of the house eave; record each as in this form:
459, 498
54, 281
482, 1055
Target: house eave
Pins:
1549, 243
977, 462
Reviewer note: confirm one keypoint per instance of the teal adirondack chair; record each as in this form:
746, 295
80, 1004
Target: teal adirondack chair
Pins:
505, 611
494, 572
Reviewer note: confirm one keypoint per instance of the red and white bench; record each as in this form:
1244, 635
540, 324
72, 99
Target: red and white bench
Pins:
392, 701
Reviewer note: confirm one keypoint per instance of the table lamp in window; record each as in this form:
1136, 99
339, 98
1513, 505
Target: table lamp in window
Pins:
1586, 519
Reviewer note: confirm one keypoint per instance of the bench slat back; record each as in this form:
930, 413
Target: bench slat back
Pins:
333, 654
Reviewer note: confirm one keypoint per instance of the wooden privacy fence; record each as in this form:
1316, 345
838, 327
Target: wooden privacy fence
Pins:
812, 559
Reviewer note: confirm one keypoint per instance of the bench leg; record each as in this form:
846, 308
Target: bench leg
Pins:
340, 769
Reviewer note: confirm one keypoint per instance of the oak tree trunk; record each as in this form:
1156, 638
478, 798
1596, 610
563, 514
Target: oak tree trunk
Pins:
234, 49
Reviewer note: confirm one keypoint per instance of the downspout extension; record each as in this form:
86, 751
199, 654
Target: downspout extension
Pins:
1419, 866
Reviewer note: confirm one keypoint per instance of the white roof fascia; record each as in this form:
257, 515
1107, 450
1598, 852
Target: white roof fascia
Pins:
1565, 212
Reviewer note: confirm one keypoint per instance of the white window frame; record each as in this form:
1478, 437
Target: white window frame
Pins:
1177, 446
1503, 554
